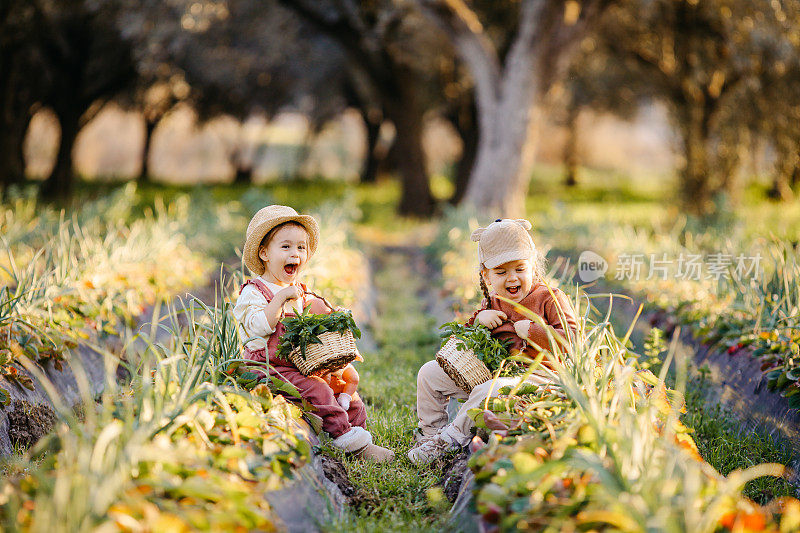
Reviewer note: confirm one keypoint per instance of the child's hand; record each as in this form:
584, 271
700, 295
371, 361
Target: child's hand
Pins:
344, 400
491, 318
292, 292
522, 327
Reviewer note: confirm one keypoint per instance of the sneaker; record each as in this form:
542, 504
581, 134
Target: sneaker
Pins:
430, 450
420, 438
378, 454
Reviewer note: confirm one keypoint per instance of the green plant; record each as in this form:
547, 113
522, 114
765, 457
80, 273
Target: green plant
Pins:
491, 351
654, 348
600, 447
305, 329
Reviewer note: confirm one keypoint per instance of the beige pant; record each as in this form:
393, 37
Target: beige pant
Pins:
434, 390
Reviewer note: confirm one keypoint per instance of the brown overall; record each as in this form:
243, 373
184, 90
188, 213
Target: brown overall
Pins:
335, 420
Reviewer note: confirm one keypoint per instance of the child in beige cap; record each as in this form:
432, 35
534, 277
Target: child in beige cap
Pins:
278, 245
509, 265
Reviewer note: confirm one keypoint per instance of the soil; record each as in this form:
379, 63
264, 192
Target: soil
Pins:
335, 472
27, 423
453, 470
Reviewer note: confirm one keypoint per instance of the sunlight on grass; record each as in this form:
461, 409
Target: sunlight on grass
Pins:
396, 493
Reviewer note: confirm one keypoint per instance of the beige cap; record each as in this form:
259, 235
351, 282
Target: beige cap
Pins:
503, 241
264, 220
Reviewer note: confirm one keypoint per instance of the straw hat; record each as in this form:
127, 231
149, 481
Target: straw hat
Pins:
266, 219
504, 240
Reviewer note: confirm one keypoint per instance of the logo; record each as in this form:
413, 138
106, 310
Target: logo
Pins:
591, 266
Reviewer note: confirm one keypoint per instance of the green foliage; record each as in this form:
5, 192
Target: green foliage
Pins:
722, 442
305, 329
654, 348
477, 338
598, 446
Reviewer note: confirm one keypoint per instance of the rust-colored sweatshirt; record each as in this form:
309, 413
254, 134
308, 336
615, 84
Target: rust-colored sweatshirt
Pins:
541, 302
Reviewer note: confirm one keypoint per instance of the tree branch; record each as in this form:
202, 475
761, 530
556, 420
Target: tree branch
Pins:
472, 44
522, 55
346, 35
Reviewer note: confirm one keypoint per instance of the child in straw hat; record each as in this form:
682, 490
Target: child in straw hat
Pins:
511, 266
278, 244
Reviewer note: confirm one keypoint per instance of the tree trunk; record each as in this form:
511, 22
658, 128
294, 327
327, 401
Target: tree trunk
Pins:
780, 190
144, 173
243, 176
500, 177
15, 116
416, 198
372, 125
571, 147
59, 184
696, 194
505, 96
467, 127
12, 158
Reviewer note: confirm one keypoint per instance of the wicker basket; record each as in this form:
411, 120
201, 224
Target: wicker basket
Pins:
336, 351
462, 365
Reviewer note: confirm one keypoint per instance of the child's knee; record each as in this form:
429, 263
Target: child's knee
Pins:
318, 391
427, 372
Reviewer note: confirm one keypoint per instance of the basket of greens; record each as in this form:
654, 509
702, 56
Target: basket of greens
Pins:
469, 354
319, 343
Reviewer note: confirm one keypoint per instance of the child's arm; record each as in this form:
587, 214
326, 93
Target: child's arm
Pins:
537, 333
274, 309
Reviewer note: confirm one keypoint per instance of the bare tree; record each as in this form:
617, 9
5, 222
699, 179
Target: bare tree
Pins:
707, 61
386, 40
509, 77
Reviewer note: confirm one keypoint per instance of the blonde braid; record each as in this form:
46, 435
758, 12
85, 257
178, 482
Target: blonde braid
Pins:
485, 290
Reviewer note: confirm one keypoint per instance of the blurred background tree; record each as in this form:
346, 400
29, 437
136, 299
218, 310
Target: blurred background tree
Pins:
728, 71
597, 82
709, 62
223, 58
393, 46
514, 52
67, 55
18, 55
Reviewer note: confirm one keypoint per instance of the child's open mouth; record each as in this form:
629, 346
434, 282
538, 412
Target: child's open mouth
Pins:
513, 290
290, 268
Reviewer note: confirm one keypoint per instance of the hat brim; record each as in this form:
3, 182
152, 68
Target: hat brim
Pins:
250, 252
514, 255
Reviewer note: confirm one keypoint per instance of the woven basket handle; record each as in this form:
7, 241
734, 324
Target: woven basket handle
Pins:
315, 295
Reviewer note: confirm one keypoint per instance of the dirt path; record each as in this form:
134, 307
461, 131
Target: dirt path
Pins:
398, 496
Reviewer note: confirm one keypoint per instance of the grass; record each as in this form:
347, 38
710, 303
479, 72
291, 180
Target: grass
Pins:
395, 495
719, 435
727, 447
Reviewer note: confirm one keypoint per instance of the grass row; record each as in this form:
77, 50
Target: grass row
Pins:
195, 439
717, 436
181, 447
394, 496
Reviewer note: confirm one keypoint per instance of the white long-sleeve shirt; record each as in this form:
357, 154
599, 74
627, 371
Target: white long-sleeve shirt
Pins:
249, 312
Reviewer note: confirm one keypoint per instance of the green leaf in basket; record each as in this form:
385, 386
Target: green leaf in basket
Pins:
477, 338
305, 329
